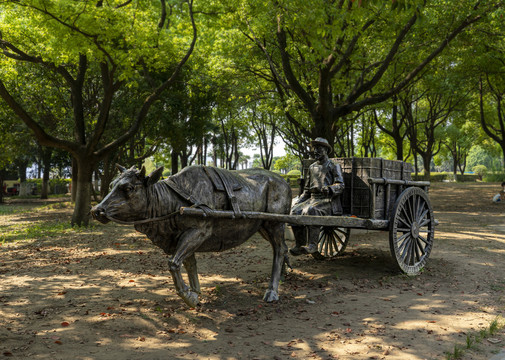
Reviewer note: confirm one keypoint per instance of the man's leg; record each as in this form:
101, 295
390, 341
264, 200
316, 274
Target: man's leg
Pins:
313, 237
300, 240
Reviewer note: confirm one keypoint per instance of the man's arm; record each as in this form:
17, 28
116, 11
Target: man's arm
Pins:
337, 187
305, 195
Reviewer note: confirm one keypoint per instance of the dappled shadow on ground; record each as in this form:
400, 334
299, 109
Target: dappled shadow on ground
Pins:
106, 293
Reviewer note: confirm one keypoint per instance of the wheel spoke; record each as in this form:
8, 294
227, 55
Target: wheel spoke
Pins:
420, 247
419, 213
425, 222
326, 245
404, 244
403, 237
332, 242
404, 215
423, 240
406, 223
332, 247
412, 212
339, 230
405, 252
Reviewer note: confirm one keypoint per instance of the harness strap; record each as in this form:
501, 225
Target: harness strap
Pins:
189, 198
145, 221
231, 195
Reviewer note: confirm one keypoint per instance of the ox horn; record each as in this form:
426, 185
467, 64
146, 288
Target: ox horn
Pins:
120, 168
154, 176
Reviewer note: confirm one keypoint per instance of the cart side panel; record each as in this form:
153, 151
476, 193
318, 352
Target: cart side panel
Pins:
357, 198
363, 199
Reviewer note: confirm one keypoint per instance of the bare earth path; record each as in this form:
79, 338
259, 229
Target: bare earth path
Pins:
106, 293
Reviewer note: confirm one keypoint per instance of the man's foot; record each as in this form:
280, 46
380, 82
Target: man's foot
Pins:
296, 251
310, 249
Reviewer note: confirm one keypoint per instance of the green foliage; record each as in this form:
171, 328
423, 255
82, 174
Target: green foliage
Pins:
480, 170
56, 186
287, 163
494, 176
472, 339
446, 176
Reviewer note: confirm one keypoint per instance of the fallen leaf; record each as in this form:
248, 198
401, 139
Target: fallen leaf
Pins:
494, 340
65, 324
58, 342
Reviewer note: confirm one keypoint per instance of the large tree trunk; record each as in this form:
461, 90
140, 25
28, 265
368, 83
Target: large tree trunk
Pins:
427, 166
24, 188
73, 184
83, 194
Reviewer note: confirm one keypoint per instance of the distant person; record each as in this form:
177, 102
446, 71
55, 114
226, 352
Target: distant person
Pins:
501, 195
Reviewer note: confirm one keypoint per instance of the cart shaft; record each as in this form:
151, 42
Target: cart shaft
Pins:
303, 220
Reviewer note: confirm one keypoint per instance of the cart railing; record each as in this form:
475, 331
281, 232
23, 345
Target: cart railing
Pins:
384, 184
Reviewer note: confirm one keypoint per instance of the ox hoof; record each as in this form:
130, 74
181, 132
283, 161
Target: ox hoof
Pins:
271, 296
190, 298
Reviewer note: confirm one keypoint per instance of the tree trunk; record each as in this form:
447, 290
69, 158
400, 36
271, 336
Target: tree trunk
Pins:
73, 184
427, 167
175, 162
1, 188
46, 163
83, 194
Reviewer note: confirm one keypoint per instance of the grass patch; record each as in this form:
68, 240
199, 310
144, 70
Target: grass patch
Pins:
476, 338
37, 231
34, 229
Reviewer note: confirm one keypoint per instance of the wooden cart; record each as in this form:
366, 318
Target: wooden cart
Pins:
379, 195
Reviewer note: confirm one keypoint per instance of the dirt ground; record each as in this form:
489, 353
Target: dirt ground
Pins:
106, 293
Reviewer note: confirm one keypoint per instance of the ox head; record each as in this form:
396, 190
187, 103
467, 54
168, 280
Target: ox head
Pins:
127, 201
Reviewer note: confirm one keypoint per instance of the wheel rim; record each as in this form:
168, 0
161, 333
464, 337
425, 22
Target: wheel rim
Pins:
412, 231
332, 242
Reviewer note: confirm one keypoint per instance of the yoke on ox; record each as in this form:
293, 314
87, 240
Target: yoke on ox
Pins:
154, 208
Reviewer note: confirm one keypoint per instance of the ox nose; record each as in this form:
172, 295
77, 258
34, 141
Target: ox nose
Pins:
98, 212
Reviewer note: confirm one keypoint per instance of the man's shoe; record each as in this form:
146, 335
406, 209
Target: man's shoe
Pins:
296, 251
310, 249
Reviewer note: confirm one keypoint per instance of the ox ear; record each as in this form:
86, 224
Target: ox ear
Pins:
121, 169
142, 174
153, 177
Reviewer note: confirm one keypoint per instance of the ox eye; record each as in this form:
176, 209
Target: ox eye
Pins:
128, 188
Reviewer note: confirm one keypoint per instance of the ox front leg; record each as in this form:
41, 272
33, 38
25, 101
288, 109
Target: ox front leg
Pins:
274, 233
191, 269
189, 242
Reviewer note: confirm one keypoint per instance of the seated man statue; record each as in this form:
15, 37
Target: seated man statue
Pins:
321, 196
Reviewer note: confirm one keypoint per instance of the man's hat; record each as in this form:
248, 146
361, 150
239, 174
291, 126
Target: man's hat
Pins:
323, 142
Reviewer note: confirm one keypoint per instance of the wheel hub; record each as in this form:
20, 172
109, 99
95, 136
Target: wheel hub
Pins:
414, 230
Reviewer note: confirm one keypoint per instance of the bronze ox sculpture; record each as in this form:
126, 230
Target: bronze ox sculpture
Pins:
154, 208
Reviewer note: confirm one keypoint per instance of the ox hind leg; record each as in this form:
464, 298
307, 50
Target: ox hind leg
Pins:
274, 233
188, 243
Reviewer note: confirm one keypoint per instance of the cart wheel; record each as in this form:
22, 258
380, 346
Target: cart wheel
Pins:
412, 230
332, 242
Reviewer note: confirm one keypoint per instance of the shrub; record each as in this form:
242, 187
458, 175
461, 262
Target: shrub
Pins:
480, 170
296, 173
495, 177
